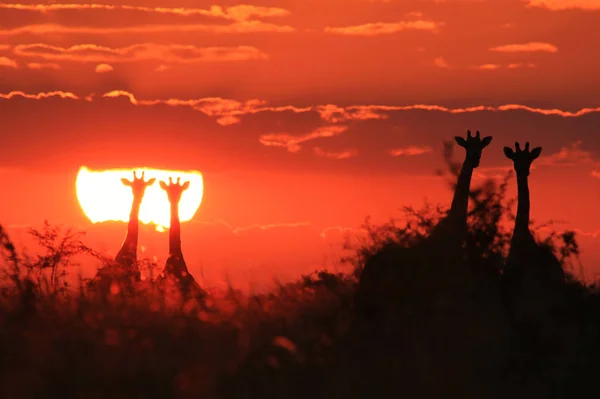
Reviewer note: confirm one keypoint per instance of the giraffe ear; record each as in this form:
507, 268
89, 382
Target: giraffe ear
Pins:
486, 141
185, 185
126, 182
460, 141
163, 185
535, 153
151, 181
510, 154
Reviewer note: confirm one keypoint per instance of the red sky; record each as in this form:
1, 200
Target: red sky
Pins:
296, 112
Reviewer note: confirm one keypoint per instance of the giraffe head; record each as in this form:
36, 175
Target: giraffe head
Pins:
522, 159
474, 146
174, 190
138, 185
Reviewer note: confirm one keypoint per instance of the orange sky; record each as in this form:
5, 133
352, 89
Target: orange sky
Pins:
304, 116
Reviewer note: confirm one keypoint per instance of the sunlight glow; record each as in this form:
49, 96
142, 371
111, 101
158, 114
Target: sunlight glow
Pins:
103, 197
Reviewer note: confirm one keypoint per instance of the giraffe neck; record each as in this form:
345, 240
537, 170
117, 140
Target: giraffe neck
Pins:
128, 252
460, 201
175, 231
521, 231
455, 224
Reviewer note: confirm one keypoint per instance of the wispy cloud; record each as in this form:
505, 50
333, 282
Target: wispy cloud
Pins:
561, 5
493, 67
334, 114
168, 53
521, 65
384, 28
489, 67
233, 109
236, 27
103, 68
292, 142
267, 226
43, 65
567, 155
440, 62
415, 14
526, 48
235, 13
228, 111
343, 154
496, 172
8, 63
40, 96
410, 151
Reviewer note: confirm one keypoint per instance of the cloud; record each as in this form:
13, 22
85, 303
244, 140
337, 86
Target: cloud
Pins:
8, 63
344, 232
103, 68
497, 172
526, 48
440, 62
244, 12
229, 110
410, 151
489, 67
263, 227
235, 13
343, 154
40, 96
415, 14
568, 155
384, 28
236, 27
334, 114
169, 53
43, 65
292, 142
521, 65
561, 5
492, 67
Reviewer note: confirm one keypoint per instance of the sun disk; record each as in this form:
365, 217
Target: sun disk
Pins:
103, 197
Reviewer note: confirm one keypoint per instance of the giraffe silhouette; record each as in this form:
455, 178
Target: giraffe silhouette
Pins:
382, 273
533, 278
127, 255
125, 262
175, 274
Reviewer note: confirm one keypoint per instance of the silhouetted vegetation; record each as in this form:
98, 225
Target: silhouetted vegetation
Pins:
449, 336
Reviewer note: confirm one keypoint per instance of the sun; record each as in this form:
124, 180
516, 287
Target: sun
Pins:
103, 197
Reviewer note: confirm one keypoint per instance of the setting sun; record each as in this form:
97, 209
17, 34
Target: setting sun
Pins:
104, 197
